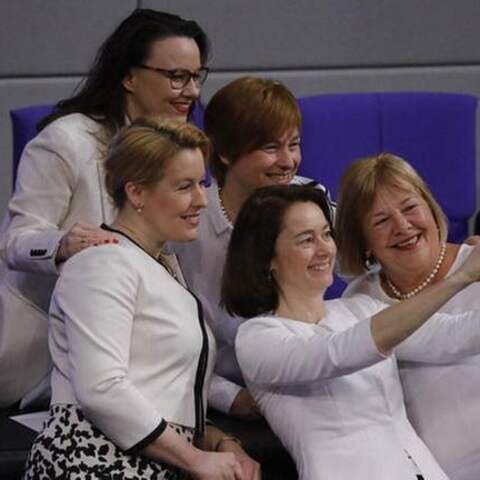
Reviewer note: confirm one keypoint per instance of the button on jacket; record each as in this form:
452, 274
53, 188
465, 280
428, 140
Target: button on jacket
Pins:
128, 344
60, 181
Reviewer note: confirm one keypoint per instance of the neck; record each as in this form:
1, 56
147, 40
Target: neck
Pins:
404, 285
134, 227
232, 197
302, 307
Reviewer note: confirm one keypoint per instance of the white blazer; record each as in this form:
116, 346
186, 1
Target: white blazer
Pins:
60, 181
334, 401
129, 344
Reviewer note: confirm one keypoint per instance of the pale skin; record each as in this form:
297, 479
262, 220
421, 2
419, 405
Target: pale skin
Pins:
181, 191
303, 276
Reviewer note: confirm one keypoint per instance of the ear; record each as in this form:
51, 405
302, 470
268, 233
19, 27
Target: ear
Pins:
129, 81
136, 194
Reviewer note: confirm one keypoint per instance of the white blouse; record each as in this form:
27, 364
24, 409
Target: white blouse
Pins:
442, 400
334, 401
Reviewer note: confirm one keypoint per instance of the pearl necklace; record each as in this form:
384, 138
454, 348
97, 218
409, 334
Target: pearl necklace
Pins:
427, 281
223, 209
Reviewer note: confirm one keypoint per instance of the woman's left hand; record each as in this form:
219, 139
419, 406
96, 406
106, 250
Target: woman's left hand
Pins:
251, 469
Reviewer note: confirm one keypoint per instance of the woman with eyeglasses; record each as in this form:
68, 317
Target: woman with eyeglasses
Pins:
152, 64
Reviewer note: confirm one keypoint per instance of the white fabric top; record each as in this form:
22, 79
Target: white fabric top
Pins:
202, 264
335, 402
442, 400
60, 181
129, 344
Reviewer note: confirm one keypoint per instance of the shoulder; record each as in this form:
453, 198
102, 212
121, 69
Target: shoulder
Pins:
358, 306
108, 262
367, 284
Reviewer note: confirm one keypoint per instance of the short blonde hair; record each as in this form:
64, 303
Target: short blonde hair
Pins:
139, 152
358, 189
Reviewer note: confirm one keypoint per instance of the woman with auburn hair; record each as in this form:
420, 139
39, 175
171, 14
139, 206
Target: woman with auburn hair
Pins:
393, 235
152, 64
254, 126
132, 354
324, 373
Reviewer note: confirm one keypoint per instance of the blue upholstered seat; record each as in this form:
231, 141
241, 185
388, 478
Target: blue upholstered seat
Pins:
434, 131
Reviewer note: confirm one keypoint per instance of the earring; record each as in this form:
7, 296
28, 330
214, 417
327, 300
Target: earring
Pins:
369, 259
139, 209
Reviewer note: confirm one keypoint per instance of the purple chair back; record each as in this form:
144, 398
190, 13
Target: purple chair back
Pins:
435, 132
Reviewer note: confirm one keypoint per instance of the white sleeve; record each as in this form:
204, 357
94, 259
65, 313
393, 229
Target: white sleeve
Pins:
222, 393
270, 353
45, 184
96, 299
444, 338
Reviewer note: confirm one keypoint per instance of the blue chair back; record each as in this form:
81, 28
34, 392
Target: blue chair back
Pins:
433, 131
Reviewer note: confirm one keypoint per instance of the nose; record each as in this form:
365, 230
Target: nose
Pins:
287, 159
200, 197
400, 222
325, 248
191, 89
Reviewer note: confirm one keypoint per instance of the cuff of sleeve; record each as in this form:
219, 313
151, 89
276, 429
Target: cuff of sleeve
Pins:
138, 447
222, 393
37, 253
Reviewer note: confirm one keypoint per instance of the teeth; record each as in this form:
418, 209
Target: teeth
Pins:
321, 268
412, 241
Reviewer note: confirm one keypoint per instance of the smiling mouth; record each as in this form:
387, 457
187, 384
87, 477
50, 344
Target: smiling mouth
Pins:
284, 177
408, 243
182, 107
193, 219
321, 267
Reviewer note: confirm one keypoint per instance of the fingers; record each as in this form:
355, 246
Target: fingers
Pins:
80, 236
238, 472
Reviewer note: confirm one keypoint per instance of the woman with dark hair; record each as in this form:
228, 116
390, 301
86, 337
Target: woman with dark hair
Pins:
324, 373
153, 63
396, 244
132, 354
254, 125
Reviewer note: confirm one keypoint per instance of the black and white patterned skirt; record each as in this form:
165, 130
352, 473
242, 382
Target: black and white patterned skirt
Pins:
70, 447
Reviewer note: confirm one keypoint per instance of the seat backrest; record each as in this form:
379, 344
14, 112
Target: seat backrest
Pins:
24, 128
25, 120
435, 132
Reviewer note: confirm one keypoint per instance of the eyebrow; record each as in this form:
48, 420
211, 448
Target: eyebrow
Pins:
311, 231
407, 199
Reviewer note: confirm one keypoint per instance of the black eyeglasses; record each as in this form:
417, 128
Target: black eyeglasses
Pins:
179, 78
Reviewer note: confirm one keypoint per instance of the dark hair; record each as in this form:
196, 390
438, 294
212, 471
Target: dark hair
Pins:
248, 289
102, 95
246, 114
140, 151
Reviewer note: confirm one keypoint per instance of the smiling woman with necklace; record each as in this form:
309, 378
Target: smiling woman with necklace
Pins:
324, 373
398, 226
132, 354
